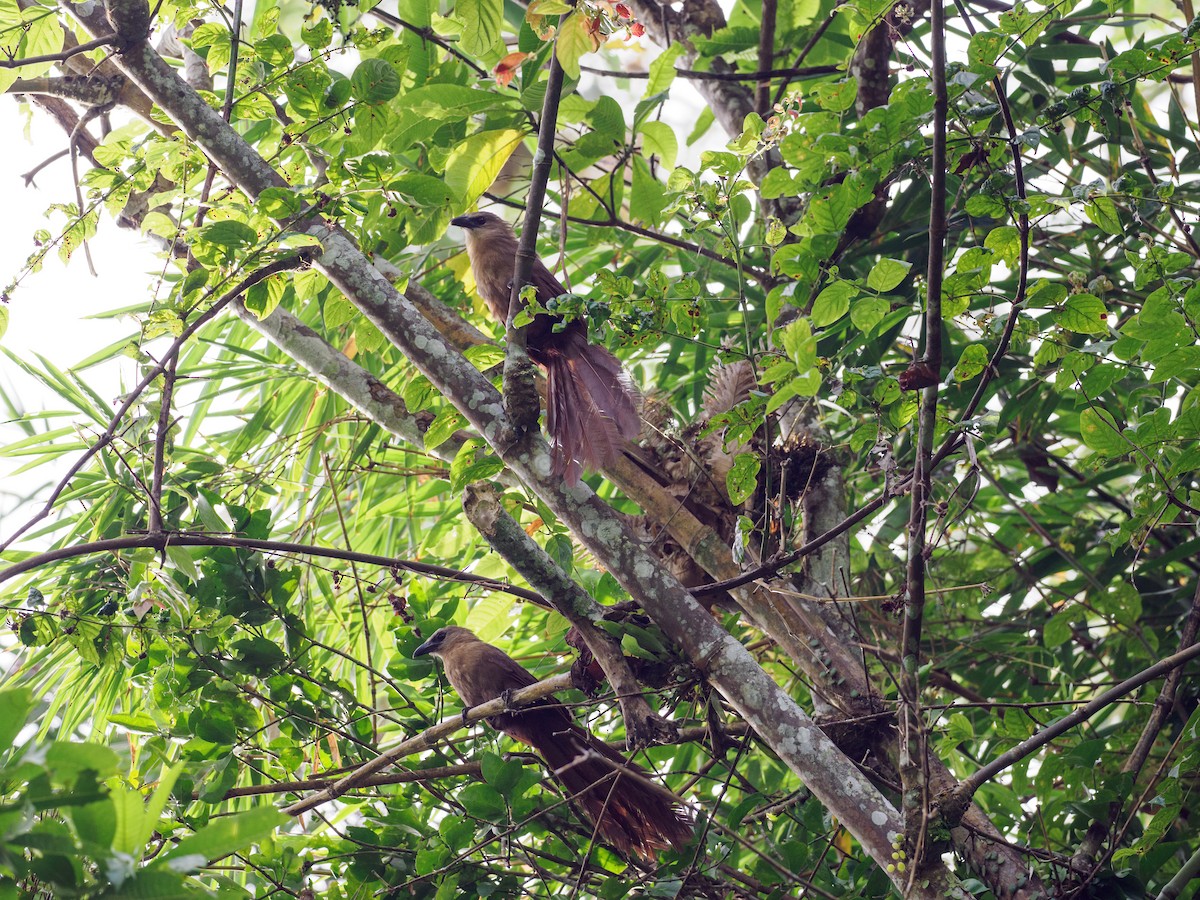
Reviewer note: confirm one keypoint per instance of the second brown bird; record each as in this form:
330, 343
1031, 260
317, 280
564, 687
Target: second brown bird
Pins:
630, 812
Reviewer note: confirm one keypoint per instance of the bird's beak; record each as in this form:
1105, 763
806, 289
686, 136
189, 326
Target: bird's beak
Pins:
423, 649
460, 221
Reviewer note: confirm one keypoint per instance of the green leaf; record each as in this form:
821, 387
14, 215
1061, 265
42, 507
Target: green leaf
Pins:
1103, 213
229, 233
648, 198
833, 303
68, 759
1100, 432
1057, 630
220, 837
867, 312
374, 81
742, 478
473, 165
444, 424
887, 273
1006, 242
986, 47
1084, 314
481, 23
15, 705
973, 360
504, 775
662, 70
837, 96
575, 40
801, 347
467, 469
658, 139
483, 801
1176, 364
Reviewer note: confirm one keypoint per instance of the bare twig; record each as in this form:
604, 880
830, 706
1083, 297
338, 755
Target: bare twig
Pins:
429, 738
912, 729
968, 786
61, 56
766, 56
165, 539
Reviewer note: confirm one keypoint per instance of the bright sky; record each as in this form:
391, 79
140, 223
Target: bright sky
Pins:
48, 311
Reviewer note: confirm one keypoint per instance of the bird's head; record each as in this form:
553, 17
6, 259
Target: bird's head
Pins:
471, 221
445, 638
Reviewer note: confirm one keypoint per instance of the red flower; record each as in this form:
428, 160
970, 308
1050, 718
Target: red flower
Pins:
637, 29
623, 11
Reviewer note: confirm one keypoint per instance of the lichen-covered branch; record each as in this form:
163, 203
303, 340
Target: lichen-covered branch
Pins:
482, 505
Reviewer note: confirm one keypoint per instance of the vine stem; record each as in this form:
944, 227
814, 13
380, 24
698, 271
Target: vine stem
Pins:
520, 390
915, 801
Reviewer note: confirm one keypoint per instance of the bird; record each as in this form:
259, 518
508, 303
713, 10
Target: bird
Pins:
630, 811
592, 406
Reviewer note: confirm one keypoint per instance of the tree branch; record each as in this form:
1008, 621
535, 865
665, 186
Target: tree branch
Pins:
428, 739
642, 726
162, 540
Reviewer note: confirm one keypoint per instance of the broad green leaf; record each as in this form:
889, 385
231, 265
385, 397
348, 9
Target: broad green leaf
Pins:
887, 274
374, 81
658, 139
1083, 313
473, 165
484, 801
742, 478
973, 360
832, 303
1100, 432
448, 421
1006, 242
1103, 213
867, 312
837, 96
15, 705
575, 40
798, 341
662, 70
503, 775
481, 23
220, 837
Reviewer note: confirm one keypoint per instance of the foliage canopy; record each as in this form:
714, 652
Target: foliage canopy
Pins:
912, 299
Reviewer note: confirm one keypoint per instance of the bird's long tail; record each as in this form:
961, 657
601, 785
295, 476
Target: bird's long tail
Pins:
631, 813
592, 407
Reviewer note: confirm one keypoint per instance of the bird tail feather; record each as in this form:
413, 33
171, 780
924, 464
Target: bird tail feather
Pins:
630, 812
593, 407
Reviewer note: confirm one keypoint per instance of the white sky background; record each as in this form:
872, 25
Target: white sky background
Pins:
48, 310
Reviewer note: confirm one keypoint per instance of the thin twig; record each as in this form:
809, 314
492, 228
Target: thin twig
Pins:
766, 56
912, 731
695, 75
62, 56
520, 390
969, 785
195, 539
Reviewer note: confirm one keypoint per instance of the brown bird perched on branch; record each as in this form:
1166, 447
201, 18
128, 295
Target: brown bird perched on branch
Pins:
592, 405
631, 812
